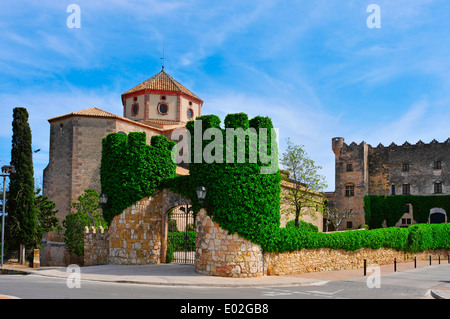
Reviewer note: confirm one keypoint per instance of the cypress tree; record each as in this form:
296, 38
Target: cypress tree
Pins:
22, 219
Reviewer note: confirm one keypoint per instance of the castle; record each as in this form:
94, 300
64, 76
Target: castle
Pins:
416, 169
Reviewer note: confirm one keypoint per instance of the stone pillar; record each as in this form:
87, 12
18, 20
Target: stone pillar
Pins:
219, 253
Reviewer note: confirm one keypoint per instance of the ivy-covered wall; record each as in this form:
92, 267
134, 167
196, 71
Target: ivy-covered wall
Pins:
391, 208
243, 200
131, 169
239, 198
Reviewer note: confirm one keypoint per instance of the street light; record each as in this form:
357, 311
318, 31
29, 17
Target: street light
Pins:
6, 171
201, 192
103, 198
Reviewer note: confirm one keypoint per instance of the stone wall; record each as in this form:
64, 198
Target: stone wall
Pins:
325, 259
135, 234
219, 253
96, 246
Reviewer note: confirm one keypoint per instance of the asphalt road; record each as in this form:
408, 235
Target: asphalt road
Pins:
412, 284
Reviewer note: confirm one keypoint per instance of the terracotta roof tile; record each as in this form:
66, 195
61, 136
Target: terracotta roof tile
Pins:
91, 111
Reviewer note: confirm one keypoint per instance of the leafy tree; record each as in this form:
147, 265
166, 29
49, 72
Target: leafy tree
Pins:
22, 219
336, 217
46, 214
305, 182
87, 214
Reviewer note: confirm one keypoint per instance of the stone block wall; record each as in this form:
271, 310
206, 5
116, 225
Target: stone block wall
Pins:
136, 234
326, 259
96, 246
219, 253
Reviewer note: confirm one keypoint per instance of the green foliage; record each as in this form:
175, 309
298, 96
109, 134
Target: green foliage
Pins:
391, 208
302, 225
22, 219
131, 169
239, 197
46, 214
306, 181
418, 237
87, 213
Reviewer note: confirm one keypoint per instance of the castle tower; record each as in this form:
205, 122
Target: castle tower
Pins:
161, 102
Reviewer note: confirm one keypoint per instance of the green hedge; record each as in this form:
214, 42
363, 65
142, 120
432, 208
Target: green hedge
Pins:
302, 225
391, 208
419, 237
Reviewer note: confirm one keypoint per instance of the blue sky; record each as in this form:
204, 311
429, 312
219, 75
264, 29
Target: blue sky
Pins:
314, 67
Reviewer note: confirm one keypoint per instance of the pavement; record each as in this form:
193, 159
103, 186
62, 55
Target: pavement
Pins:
184, 275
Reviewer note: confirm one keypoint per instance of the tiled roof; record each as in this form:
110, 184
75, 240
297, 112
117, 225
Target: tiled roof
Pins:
91, 111
162, 82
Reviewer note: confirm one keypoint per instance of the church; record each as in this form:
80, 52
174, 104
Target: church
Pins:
156, 106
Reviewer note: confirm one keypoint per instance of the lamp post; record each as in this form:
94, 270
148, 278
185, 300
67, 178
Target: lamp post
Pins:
201, 193
103, 198
6, 171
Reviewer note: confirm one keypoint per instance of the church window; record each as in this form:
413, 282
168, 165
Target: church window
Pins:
190, 113
163, 108
349, 190
190, 103
135, 109
163, 97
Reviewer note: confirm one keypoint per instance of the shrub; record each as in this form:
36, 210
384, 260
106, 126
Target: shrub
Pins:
303, 225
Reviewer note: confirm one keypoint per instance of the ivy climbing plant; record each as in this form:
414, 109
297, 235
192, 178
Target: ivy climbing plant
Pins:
131, 169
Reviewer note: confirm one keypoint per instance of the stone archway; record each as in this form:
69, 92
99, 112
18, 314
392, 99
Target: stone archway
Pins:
138, 236
437, 216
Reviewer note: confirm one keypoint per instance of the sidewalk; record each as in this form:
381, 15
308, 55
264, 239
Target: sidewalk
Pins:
184, 275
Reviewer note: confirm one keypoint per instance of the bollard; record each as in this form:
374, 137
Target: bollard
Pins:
439, 259
395, 264
36, 261
365, 269
430, 260
415, 262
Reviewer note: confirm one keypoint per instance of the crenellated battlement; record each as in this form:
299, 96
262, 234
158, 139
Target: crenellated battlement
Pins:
339, 143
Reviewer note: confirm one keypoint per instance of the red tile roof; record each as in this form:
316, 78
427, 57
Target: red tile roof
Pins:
162, 82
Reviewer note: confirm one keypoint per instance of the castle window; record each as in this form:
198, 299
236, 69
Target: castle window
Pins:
349, 167
163, 108
349, 190
393, 190
349, 225
406, 189
437, 165
135, 109
405, 167
438, 188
